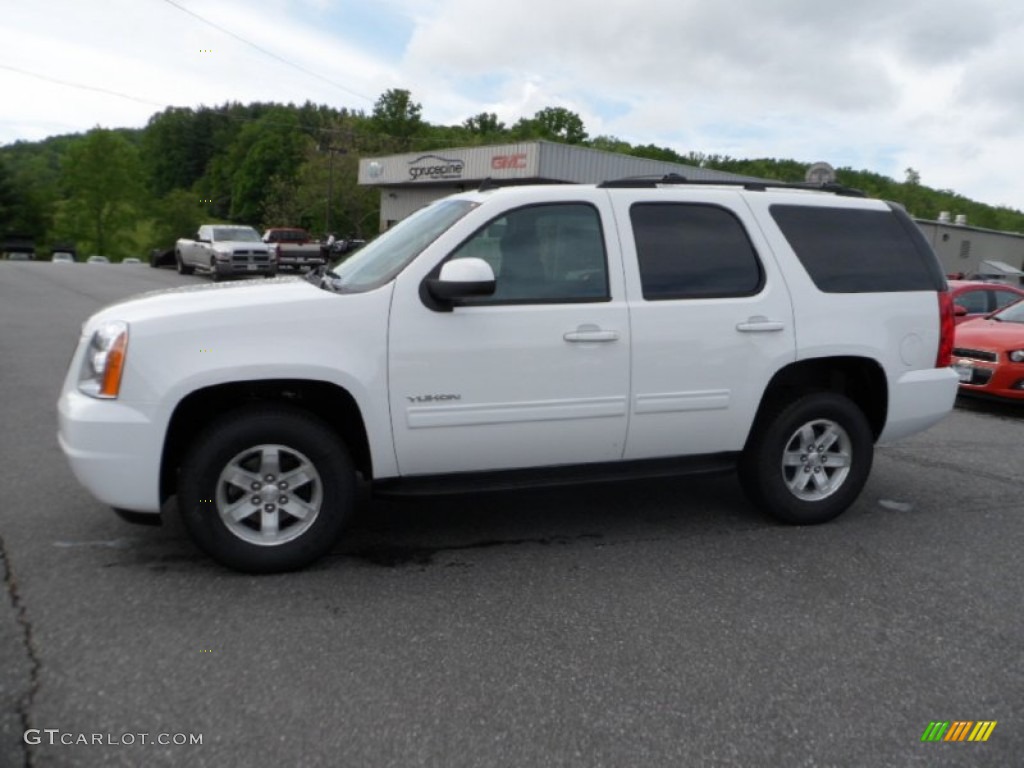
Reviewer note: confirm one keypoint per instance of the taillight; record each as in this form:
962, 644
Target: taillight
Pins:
947, 326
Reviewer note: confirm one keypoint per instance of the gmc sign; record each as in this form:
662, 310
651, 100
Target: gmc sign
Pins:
507, 162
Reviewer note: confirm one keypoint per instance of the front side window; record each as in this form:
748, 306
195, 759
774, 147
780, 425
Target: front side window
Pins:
1006, 298
542, 254
688, 251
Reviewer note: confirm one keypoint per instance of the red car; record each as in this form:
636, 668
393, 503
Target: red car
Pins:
988, 354
974, 298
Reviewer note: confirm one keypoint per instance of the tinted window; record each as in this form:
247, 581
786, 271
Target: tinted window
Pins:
1006, 298
543, 253
693, 251
848, 250
975, 302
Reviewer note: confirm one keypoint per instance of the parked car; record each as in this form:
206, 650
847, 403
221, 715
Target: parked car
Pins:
19, 256
225, 250
62, 257
162, 257
989, 354
295, 248
532, 334
97, 260
976, 298
131, 260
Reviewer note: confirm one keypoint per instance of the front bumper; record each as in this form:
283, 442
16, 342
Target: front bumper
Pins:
998, 379
299, 262
110, 447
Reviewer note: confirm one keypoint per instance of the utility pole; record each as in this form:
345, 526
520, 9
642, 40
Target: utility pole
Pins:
331, 152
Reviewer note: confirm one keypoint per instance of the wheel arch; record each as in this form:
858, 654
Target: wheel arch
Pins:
334, 405
861, 379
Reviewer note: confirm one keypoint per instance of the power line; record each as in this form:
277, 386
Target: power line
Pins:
266, 52
82, 86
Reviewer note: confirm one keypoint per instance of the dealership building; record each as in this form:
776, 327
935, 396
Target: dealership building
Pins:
410, 181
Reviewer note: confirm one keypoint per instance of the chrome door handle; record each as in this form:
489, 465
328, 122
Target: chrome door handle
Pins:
759, 324
590, 332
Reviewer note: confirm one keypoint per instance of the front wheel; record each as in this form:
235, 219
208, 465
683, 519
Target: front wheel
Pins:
182, 268
266, 489
809, 462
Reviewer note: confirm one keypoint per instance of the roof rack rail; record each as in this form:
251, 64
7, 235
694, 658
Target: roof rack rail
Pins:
649, 182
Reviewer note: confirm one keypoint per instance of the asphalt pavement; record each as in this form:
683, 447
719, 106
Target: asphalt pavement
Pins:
635, 624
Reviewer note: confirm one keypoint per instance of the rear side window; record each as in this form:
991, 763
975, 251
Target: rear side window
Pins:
848, 250
688, 251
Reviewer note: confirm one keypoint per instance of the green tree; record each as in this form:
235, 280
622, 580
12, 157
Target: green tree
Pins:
177, 214
398, 117
8, 201
101, 173
484, 124
609, 144
559, 124
268, 148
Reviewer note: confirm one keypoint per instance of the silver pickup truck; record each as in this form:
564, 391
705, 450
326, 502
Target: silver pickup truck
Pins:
223, 250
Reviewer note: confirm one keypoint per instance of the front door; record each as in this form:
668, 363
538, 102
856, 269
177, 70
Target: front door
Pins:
535, 375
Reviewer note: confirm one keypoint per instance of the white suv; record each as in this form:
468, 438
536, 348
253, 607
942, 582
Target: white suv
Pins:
517, 336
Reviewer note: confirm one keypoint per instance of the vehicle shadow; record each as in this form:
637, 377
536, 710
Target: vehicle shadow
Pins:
1007, 409
394, 532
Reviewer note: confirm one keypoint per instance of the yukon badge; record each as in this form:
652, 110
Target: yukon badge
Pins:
433, 398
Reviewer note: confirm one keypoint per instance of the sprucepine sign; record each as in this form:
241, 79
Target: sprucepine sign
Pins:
435, 167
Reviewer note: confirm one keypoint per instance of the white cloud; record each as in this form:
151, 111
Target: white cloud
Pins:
872, 84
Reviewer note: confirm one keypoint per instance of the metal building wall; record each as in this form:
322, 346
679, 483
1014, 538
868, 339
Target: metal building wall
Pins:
963, 248
399, 202
591, 166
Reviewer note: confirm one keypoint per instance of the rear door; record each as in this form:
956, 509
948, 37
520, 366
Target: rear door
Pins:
710, 315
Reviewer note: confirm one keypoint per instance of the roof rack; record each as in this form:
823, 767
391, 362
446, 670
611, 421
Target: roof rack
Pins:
650, 182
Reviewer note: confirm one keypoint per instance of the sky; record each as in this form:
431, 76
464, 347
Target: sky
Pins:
878, 85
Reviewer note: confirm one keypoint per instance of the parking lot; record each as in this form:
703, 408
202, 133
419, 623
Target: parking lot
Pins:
637, 624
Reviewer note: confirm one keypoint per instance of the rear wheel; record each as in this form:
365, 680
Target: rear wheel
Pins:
266, 489
809, 462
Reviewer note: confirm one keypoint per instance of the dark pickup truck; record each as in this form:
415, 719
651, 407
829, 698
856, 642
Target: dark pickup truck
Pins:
295, 248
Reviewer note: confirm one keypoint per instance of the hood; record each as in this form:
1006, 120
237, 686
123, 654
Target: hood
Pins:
210, 299
245, 245
990, 334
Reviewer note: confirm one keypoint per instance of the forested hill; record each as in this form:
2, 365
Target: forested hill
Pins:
124, 191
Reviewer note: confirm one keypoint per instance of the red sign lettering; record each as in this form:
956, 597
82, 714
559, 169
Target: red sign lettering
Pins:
505, 162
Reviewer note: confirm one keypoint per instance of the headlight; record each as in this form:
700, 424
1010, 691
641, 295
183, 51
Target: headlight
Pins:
1017, 355
103, 362
222, 255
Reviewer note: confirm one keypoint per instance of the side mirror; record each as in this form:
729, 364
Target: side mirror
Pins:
460, 279
959, 310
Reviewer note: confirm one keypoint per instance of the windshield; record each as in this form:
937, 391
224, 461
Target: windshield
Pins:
1012, 314
236, 234
377, 263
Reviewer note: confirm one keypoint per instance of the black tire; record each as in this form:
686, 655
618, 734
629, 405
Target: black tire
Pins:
214, 275
270, 274
182, 269
269, 539
775, 487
